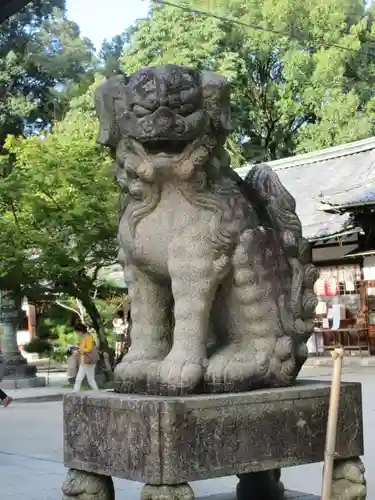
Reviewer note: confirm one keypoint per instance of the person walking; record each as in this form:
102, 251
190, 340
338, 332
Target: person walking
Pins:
5, 399
88, 357
119, 328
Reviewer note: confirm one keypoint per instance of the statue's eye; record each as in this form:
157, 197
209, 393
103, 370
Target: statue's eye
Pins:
150, 85
131, 174
140, 110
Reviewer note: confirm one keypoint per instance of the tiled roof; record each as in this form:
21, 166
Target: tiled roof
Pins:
337, 176
354, 197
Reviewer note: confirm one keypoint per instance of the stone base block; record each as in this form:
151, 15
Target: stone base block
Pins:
18, 368
23, 383
175, 440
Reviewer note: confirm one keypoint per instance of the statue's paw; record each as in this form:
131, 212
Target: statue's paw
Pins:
283, 365
179, 376
134, 376
214, 377
236, 372
146, 353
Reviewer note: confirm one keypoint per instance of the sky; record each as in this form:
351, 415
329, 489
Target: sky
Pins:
105, 19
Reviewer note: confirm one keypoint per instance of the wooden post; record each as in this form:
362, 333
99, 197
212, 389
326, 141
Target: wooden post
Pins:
334, 401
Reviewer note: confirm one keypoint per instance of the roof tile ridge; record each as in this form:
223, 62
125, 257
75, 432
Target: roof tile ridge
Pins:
331, 153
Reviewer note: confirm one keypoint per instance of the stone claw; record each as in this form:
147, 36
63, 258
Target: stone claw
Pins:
235, 371
134, 377
180, 376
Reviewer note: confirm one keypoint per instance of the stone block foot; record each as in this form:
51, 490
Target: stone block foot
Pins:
264, 485
80, 485
348, 480
170, 492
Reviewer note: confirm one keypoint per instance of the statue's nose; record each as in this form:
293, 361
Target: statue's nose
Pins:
164, 120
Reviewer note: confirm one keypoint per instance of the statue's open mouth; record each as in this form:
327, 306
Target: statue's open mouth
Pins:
166, 147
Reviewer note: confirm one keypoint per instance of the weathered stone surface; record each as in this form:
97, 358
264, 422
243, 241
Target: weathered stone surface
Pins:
23, 383
15, 365
80, 485
210, 259
173, 492
175, 440
17, 368
349, 481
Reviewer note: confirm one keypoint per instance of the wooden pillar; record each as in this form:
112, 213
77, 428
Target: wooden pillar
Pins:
31, 319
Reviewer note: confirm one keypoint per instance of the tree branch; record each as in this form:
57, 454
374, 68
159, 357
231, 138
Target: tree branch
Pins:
5, 89
82, 310
14, 212
64, 306
53, 200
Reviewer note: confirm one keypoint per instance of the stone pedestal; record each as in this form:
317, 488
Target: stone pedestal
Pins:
17, 367
18, 374
168, 442
23, 383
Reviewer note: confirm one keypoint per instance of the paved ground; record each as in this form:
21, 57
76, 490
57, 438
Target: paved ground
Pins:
31, 451
54, 391
56, 377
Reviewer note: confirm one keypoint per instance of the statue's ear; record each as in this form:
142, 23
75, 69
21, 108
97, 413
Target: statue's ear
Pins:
108, 96
216, 94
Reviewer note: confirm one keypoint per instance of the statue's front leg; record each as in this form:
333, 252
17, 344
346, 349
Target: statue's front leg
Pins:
150, 333
194, 283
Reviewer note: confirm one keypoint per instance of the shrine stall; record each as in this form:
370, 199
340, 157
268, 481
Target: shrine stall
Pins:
341, 314
369, 295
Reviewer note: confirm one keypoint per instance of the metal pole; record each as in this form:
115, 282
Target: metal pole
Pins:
49, 368
330, 449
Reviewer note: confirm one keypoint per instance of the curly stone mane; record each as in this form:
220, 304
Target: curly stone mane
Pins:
199, 172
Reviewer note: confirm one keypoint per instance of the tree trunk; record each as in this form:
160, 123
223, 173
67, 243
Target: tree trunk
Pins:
103, 348
97, 323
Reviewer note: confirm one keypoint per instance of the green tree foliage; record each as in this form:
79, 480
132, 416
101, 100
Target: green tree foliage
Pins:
294, 93
308, 88
110, 54
57, 196
43, 63
58, 212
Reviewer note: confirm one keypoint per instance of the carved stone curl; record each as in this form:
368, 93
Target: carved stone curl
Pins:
220, 277
80, 485
349, 481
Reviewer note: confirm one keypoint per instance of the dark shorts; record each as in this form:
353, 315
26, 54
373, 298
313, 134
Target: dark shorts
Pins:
120, 337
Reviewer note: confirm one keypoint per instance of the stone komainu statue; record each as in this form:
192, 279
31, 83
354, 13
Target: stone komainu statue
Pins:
220, 277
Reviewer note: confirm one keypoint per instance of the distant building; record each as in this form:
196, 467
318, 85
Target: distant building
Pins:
335, 195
